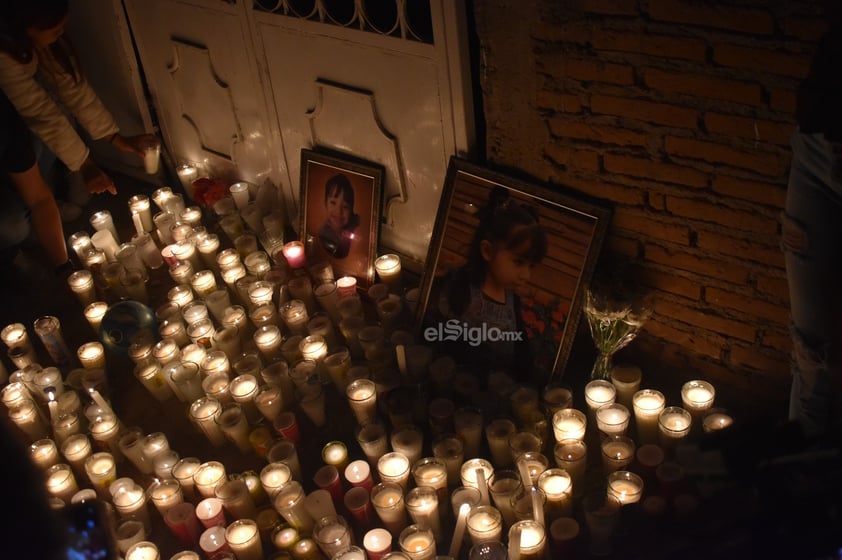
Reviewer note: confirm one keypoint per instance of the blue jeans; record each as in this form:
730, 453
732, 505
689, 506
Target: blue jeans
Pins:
812, 243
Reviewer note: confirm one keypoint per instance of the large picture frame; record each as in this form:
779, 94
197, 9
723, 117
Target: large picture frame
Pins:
347, 239
550, 302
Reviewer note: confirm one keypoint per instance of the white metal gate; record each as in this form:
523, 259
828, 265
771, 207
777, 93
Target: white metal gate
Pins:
243, 87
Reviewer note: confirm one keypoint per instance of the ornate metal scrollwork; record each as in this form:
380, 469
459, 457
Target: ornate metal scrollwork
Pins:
409, 20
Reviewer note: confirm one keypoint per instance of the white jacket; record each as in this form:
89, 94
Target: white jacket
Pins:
42, 113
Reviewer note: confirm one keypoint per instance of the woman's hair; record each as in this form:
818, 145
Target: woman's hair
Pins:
506, 224
338, 185
16, 16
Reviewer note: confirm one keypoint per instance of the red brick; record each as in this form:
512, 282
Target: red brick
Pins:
747, 303
768, 194
650, 225
560, 102
724, 244
805, 28
703, 265
717, 214
587, 70
667, 281
705, 320
571, 158
707, 14
611, 7
649, 111
775, 287
655, 170
666, 329
701, 85
619, 245
753, 358
762, 60
565, 128
657, 201
606, 190
572, 32
754, 129
765, 163
686, 48
783, 101
779, 340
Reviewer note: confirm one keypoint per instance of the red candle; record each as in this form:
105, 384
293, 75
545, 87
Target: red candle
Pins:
358, 504
358, 473
294, 254
182, 521
287, 426
327, 478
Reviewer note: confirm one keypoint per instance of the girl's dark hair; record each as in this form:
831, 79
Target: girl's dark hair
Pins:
506, 224
339, 184
16, 16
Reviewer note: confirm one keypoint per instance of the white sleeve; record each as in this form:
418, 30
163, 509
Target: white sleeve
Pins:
45, 117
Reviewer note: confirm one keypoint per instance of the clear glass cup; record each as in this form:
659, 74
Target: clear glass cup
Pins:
332, 534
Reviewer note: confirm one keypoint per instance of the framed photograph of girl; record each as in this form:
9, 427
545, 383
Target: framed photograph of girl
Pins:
340, 213
506, 270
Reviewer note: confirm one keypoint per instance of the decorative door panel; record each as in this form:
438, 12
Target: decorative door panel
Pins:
204, 84
373, 88
243, 86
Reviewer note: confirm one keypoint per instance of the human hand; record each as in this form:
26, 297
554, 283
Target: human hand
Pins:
134, 144
95, 178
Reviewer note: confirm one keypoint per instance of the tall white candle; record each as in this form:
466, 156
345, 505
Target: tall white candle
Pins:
648, 404
394, 467
387, 498
388, 268
244, 539
422, 503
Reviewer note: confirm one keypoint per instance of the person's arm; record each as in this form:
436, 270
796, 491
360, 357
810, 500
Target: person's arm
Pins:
85, 105
40, 112
47, 120
46, 220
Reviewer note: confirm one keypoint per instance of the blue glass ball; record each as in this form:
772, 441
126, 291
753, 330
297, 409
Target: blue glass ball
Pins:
123, 322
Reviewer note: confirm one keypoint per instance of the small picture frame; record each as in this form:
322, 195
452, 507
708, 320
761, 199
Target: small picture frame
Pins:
341, 201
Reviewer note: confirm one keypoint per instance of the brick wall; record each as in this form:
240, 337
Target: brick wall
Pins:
678, 113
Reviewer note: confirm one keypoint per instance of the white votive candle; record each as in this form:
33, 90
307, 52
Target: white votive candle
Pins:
673, 426
394, 467
144, 550
626, 486
387, 498
569, 423
612, 419
94, 314
599, 393
715, 420
697, 398
243, 537
388, 268
648, 405
91, 355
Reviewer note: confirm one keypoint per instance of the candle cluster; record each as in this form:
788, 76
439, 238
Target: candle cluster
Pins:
256, 343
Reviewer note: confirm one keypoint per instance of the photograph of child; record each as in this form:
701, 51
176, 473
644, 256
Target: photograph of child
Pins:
340, 217
508, 262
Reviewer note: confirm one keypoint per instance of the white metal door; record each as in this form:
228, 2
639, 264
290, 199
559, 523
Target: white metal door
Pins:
246, 86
